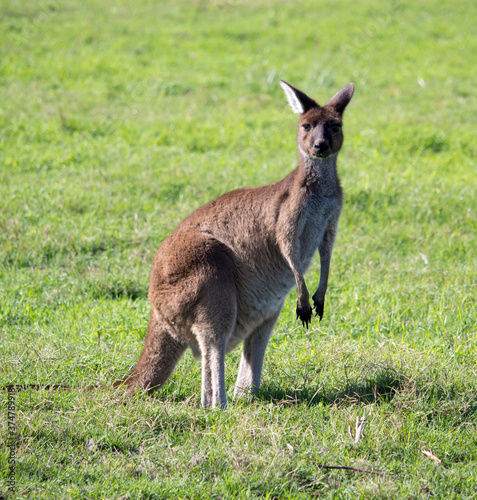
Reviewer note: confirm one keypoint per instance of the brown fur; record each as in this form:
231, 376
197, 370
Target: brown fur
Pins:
222, 276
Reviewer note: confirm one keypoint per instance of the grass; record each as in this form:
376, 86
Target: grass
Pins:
116, 121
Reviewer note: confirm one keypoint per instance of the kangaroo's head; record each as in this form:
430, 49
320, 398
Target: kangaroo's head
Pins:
319, 130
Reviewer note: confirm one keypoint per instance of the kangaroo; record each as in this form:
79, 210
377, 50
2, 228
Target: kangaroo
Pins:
222, 276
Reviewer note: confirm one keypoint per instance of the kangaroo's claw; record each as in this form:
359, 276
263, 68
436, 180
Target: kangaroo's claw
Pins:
304, 314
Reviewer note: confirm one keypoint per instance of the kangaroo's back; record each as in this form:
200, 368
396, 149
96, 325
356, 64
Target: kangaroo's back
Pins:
222, 276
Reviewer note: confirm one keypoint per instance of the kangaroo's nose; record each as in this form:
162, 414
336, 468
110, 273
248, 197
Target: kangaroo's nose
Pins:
321, 146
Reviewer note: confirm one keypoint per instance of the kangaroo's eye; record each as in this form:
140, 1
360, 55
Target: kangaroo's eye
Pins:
306, 127
335, 127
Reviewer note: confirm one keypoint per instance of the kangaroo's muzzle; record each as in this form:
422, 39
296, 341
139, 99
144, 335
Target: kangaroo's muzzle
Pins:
321, 148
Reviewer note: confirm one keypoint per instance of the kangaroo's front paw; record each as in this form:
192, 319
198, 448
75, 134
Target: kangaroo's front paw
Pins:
304, 313
319, 306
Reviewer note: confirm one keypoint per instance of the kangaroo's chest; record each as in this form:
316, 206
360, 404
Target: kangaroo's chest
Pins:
321, 212
268, 280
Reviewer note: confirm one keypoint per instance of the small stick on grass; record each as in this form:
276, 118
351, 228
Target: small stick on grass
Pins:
359, 429
431, 456
347, 467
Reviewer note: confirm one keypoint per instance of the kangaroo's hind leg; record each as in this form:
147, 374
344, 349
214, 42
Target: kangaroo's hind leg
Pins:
213, 374
215, 321
158, 358
253, 352
217, 318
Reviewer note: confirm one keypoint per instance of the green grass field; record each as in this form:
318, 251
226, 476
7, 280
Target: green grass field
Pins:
117, 119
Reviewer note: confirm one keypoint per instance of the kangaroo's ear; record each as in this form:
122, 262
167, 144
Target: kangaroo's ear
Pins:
299, 102
341, 99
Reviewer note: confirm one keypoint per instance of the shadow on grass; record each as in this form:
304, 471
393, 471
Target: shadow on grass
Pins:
381, 386
378, 384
